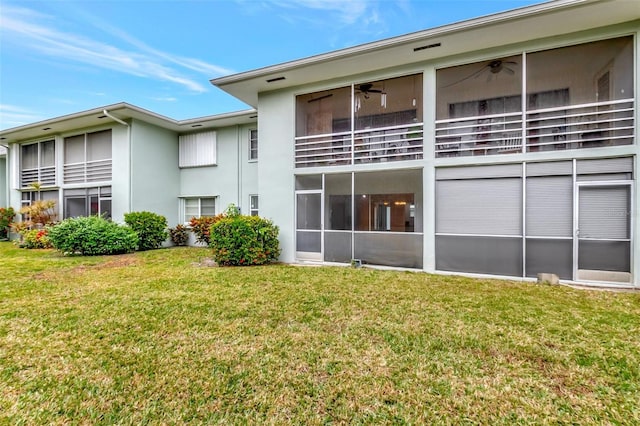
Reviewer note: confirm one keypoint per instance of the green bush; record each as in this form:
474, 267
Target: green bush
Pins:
93, 235
6, 217
201, 227
244, 240
150, 227
179, 235
35, 239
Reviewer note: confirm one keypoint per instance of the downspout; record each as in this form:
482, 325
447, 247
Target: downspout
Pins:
7, 175
239, 154
124, 123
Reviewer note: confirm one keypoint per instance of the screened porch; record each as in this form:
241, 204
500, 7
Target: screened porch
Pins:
371, 122
574, 97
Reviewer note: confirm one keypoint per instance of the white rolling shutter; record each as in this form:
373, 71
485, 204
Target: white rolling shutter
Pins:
198, 149
479, 206
608, 165
549, 206
604, 212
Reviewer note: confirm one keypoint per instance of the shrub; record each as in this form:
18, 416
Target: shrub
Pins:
35, 239
201, 227
179, 235
91, 236
6, 218
150, 227
41, 212
244, 240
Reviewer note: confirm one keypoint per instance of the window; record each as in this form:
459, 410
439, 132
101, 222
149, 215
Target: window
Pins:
29, 197
198, 207
253, 205
37, 164
197, 150
253, 145
87, 202
87, 157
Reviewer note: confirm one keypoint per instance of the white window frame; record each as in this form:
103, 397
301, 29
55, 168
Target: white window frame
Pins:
45, 175
253, 151
183, 207
252, 211
103, 193
86, 170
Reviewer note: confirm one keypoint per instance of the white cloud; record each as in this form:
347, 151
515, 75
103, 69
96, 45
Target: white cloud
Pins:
25, 27
347, 20
348, 12
165, 99
13, 116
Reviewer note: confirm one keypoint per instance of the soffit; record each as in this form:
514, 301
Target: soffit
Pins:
517, 26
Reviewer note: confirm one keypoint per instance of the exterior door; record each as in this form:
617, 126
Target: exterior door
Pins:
309, 227
603, 243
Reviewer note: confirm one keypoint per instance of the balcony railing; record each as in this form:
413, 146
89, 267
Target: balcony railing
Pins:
46, 176
393, 143
569, 127
91, 171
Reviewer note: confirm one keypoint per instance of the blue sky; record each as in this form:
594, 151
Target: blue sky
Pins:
61, 57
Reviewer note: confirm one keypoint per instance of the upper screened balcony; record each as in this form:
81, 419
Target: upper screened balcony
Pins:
370, 122
576, 97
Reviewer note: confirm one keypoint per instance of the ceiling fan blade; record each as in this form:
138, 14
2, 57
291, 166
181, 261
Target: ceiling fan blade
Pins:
509, 70
489, 77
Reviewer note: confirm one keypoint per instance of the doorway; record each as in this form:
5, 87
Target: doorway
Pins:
602, 247
309, 225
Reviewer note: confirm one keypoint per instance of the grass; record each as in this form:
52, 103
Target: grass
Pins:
159, 337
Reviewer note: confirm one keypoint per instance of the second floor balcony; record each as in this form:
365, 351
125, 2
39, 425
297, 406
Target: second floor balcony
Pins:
590, 125
379, 145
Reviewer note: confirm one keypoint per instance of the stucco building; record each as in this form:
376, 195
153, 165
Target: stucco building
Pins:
503, 145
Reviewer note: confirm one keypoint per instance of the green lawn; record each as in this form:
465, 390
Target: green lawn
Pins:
160, 337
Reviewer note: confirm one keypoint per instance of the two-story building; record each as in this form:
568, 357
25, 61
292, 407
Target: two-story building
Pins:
503, 145
121, 158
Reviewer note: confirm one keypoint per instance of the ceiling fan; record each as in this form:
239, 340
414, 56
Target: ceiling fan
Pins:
491, 68
367, 88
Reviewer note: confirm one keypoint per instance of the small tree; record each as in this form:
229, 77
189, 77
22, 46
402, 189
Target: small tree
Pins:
6, 218
244, 240
150, 227
39, 214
